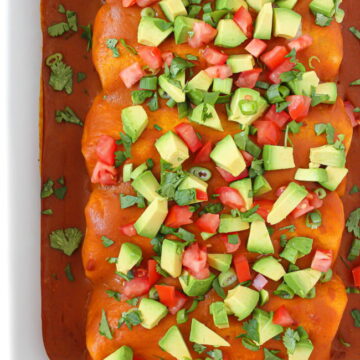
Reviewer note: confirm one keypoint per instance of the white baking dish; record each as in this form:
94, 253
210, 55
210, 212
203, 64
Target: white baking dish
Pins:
20, 199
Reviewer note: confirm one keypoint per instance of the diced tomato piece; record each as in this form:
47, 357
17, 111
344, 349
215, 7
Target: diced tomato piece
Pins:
132, 74
229, 177
298, 106
322, 260
128, 230
208, 223
244, 20
167, 57
279, 118
179, 216
300, 43
166, 294
242, 268
356, 275
230, 197
247, 157
188, 134
151, 55
219, 71
265, 207
282, 317
349, 108
145, 3
259, 282
180, 301
248, 78
201, 195
136, 287
310, 203
195, 261
276, 56
274, 76
268, 133
203, 34
203, 154
128, 3
105, 149
256, 47
214, 56
104, 174
230, 248
153, 275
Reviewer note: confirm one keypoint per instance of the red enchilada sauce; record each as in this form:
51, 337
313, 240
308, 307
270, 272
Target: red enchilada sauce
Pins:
64, 302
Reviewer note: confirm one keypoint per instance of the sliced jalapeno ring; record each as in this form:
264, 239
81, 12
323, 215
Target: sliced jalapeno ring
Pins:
201, 172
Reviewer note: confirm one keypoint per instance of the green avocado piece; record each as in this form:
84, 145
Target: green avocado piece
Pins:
172, 149
138, 171
201, 81
266, 328
240, 63
129, 255
263, 23
288, 4
258, 4
227, 156
149, 32
241, 300
147, 185
318, 175
259, 240
278, 157
206, 236
174, 90
220, 262
330, 89
302, 281
264, 297
230, 5
328, 155
123, 353
286, 23
220, 317
172, 8
134, 121
245, 94
261, 186
229, 34
150, 221
223, 86
296, 248
173, 343
205, 114
152, 312
230, 224
269, 267
286, 203
201, 334
193, 182
171, 257
182, 26
303, 350
244, 187
127, 170
325, 7
305, 85
334, 177
195, 287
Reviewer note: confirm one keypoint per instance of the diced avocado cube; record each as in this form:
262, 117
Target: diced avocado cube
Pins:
263, 23
302, 281
127, 170
134, 121
296, 248
261, 186
244, 187
193, 182
229, 34
172, 8
258, 4
123, 353
303, 350
267, 329
193, 286
205, 114
318, 175
288, 4
264, 297
150, 221
223, 86
129, 255
269, 267
227, 156
172, 149
220, 262
206, 236
286, 23
138, 171
151, 312
325, 7
259, 240
245, 94
171, 257
150, 33
173, 343
241, 300
229, 224
286, 203
147, 185
174, 90
201, 81
330, 89
328, 155
334, 177
305, 85
220, 317
182, 26
201, 334
230, 5
278, 157
240, 63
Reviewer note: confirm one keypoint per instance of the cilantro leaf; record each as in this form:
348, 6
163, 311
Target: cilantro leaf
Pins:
356, 316
185, 196
270, 355
213, 208
130, 200
252, 329
178, 65
71, 18
104, 328
106, 241
352, 223
355, 31
328, 129
215, 354
199, 348
111, 44
87, 35
47, 189
67, 115
114, 294
290, 338
66, 240
130, 318
61, 74
58, 29
69, 273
